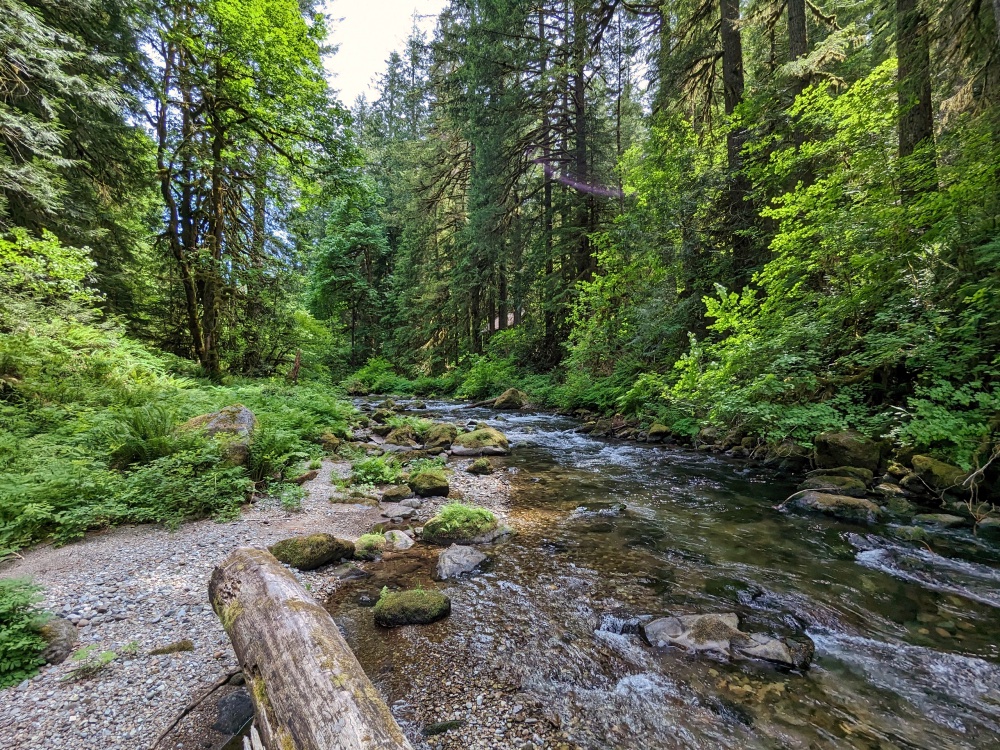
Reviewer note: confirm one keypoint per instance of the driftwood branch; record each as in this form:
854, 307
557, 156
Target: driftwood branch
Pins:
308, 689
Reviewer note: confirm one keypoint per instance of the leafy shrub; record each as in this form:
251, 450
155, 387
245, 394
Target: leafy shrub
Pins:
376, 470
272, 450
377, 376
145, 433
418, 465
21, 644
487, 377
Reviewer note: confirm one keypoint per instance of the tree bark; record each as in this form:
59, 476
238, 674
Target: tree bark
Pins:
916, 114
308, 689
798, 43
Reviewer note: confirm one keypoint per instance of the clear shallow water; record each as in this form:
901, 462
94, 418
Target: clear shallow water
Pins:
906, 649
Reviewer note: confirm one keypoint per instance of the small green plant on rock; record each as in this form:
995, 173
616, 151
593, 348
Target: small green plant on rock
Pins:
459, 522
369, 546
21, 644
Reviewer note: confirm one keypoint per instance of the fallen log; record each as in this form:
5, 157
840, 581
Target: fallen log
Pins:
308, 689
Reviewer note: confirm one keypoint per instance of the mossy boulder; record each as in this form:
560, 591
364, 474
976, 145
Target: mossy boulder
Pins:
404, 436
60, 637
430, 483
395, 493
865, 475
484, 441
369, 546
938, 475
481, 467
382, 415
440, 437
847, 448
989, 528
416, 607
835, 485
840, 506
311, 551
232, 427
458, 523
909, 533
330, 442
943, 520
511, 399
658, 432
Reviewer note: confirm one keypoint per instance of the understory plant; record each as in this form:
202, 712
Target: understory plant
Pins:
21, 643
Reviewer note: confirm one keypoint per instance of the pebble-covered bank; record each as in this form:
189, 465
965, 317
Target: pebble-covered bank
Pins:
133, 590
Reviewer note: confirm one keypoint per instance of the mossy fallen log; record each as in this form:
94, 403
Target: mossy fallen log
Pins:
308, 689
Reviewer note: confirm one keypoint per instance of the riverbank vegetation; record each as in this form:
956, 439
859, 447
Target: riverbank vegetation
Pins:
773, 219
778, 219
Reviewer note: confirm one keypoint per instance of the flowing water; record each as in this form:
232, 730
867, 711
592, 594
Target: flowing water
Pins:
612, 533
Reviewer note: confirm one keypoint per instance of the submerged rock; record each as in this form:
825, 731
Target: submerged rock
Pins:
719, 634
835, 485
511, 399
311, 551
430, 483
483, 441
417, 607
840, 506
398, 540
458, 559
847, 448
945, 520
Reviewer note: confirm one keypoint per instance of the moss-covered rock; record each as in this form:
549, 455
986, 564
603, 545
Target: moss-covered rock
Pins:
511, 399
430, 483
989, 528
835, 485
909, 533
484, 441
938, 475
382, 415
847, 448
481, 467
173, 648
395, 493
865, 475
440, 437
330, 442
459, 523
658, 432
840, 506
416, 607
311, 551
404, 436
943, 520
369, 546
232, 427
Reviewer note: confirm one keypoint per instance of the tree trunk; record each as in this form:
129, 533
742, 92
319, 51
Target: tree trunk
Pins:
798, 43
740, 211
308, 689
916, 114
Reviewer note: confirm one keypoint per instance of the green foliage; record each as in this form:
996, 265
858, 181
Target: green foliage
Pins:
426, 464
461, 519
21, 644
487, 377
376, 470
89, 662
377, 376
369, 546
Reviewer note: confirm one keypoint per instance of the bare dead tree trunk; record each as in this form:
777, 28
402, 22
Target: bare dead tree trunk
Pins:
308, 689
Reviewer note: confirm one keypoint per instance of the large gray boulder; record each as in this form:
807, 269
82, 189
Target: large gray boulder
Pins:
232, 427
719, 634
847, 448
457, 560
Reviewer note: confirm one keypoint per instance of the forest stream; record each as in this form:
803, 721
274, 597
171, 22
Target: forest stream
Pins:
611, 534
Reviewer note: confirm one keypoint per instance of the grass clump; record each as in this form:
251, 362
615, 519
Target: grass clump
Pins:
458, 522
21, 643
415, 607
89, 662
369, 546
